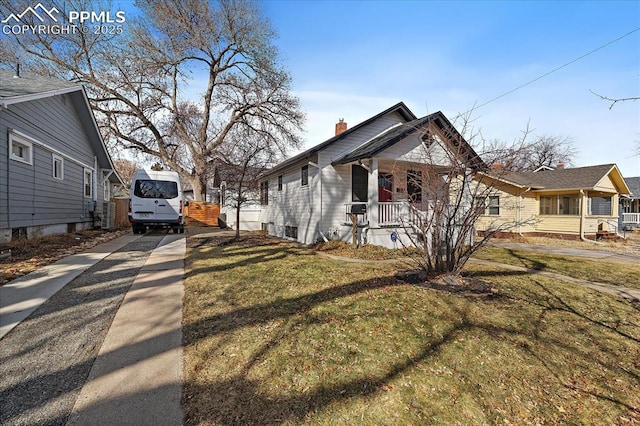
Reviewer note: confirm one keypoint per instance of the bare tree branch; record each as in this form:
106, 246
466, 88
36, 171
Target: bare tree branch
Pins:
613, 100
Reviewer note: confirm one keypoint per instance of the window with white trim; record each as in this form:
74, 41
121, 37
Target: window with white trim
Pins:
106, 188
21, 149
58, 166
493, 208
88, 183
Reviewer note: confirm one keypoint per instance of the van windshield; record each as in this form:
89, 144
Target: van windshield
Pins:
156, 189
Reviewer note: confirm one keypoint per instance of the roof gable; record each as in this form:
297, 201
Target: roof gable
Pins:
400, 108
399, 133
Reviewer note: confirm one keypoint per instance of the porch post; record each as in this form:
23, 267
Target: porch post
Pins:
372, 213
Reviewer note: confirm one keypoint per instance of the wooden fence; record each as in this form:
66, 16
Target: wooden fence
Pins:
199, 212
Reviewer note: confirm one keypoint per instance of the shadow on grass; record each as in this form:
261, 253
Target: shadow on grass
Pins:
240, 399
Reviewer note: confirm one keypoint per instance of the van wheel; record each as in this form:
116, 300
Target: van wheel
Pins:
182, 229
175, 229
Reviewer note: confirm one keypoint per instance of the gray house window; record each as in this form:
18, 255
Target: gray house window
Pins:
21, 149
58, 166
88, 183
280, 183
304, 176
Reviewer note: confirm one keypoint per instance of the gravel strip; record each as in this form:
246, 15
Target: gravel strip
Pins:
46, 359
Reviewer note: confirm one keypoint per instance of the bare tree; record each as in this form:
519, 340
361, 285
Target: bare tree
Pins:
527, 156
125, 169
141, 82
244, 160
449, 190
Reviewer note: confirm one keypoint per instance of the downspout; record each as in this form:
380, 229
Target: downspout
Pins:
8, 178
583, 217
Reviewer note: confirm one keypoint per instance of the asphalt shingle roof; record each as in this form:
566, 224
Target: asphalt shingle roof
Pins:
575, 178
634, 186
400, 107
12, 86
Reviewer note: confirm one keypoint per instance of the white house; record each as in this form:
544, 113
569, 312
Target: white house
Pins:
371, 170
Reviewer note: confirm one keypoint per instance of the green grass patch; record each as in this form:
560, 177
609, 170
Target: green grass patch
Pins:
276, 334
597, 270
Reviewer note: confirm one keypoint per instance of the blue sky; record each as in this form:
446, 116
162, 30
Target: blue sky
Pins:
353, 59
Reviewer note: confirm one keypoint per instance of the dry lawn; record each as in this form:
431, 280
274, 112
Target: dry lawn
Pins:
598, 270
275, 334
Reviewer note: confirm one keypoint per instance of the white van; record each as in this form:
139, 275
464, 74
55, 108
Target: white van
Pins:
156, 201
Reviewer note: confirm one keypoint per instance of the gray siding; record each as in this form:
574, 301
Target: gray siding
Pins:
29, 194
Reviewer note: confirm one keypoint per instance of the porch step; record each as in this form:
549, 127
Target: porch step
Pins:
607, 235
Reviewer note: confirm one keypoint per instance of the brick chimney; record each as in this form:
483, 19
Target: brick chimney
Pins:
341, 126
560, 165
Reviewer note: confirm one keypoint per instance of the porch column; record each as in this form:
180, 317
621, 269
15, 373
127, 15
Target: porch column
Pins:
372, 192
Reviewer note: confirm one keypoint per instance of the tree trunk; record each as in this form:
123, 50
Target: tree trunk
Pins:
238, 205
198, 189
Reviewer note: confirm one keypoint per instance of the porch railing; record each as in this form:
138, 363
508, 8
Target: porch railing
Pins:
389, 214
631, 218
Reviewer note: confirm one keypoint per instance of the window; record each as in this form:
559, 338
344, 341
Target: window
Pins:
600, 206
304, 175
548, 205
569, 205
106, 190
494, 205
150, 188
264, 193
280, 183
414, 186
88, 183
560, 205
21, 149
359, 183
291, 232
58, 167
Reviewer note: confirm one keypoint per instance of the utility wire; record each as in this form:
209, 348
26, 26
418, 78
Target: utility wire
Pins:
555, 69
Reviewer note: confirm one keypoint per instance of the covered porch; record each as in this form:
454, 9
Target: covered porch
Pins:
389, 194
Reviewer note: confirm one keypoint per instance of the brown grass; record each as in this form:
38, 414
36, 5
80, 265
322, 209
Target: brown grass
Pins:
597, 270
27, 255
276, 334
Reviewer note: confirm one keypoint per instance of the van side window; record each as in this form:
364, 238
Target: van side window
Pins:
146, 188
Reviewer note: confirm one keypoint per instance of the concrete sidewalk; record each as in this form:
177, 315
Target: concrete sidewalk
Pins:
137, 376
22, 296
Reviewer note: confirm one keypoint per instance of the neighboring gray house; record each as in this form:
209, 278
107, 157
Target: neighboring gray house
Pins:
369, 171
630, 205
55, 171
